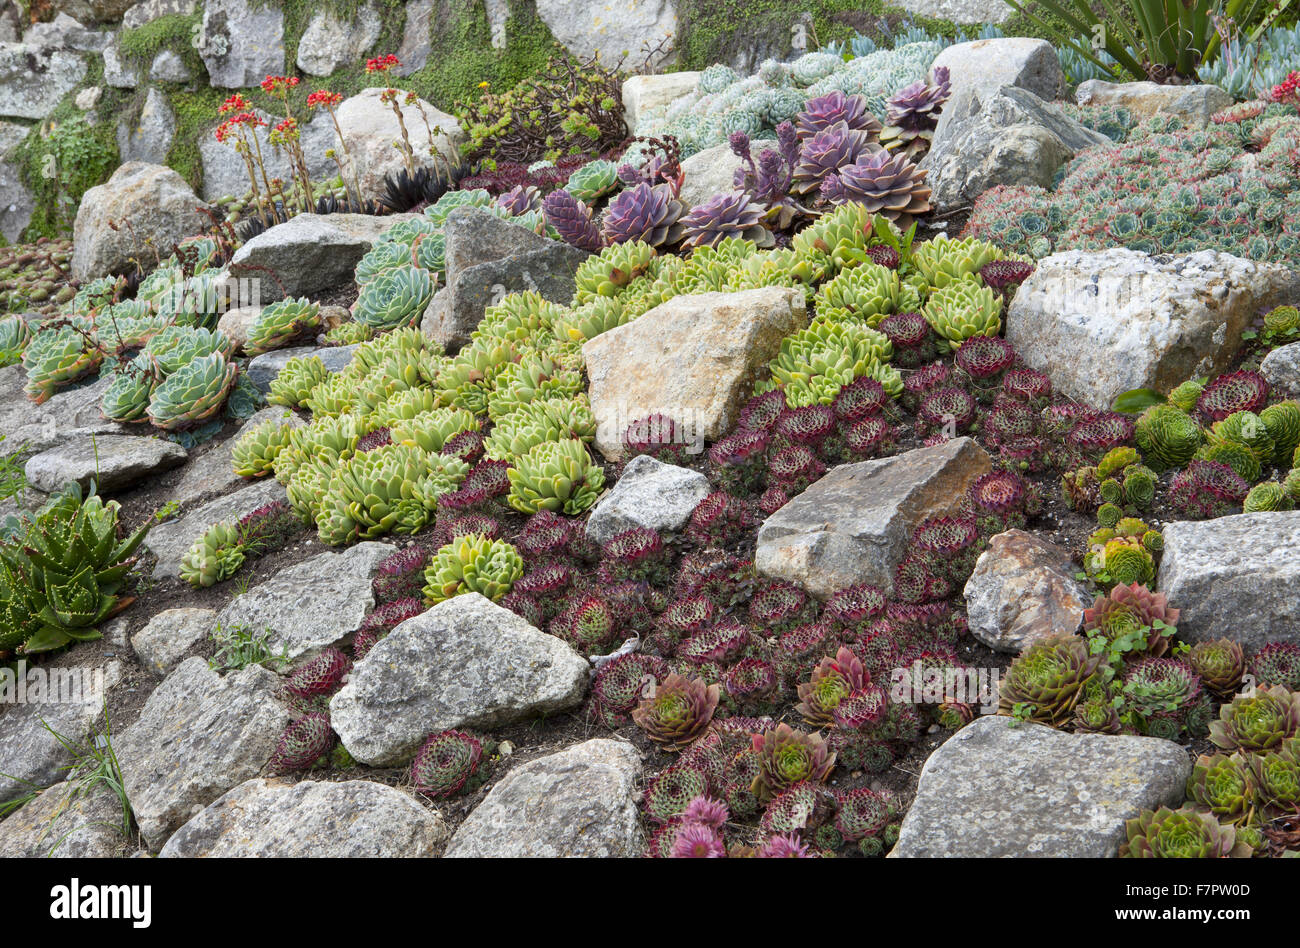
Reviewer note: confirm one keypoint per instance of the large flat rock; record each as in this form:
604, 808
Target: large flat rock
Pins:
355, 819
309, 253
113, 462
579, 802
996, 790
169, 541
853, 525
1145, 321
1237, 576
313, 604
692, 358
465, 663
198, 736
1194, 104
66, 701
65, 821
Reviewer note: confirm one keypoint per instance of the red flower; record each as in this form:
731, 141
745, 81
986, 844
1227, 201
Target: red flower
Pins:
382, 63
323, 97
278, 85
235, 103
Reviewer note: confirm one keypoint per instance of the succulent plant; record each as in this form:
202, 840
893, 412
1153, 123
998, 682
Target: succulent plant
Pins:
833, 680
1167, 437
913, 113
294, 383
619, 685
555, 475
787, 757
62, 576
1046, 680
193, 393
302, 744
1128, 609
1164, 697
1267, 496
962, 309
1238, 391
609, 272
1277, 776
322, 675
1283, 423
282, 323
474, 563
15, 334
390, 489
678, 711
813, 364
394, 298
447, 763
824, 111
256, 449
1224, 785
884, 182
669, 794
1258, 722
644, 213
1207, 489
1277, 664
723, 216
56, 357
1220, 664
571, 219
828, 151
215, 556
1179, 834
128, 394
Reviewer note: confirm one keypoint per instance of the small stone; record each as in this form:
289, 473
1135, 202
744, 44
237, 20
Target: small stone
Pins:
1281, 368
198, 736
354, 819
642, 94
579, 802
981, 67
113, 462
465, 663
169, 635
649, 494
263, 369
313, 604
997, 788
65, 821
1194, 104
854, 524
1023, 590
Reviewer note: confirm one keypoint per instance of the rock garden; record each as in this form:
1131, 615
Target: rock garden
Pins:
583, 429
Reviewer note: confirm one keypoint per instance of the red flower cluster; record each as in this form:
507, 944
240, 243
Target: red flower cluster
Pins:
236, 103
243, 118
382, 63
1288, 90
279, 85
286, 131
324, 98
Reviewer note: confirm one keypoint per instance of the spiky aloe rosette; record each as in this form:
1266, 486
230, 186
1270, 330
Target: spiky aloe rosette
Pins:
446, 764
1179, 834
677, 711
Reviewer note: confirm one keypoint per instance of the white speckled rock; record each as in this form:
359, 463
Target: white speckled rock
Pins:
1145, 321
169, 635
1236, 576
579, 802
1195, 104
355, 819
649, 494
1282, 369
465, 663
994, 790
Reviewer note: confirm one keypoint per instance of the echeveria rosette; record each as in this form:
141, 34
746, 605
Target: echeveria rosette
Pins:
1179, 834
678, 711
57, 357
281, 323
446, 764
394, 298
1258, 722
913, 113
884, 182
1046, 680
214, 557
646, 213
722, 216
193, 393
826, 111
826, 152
788, 757
14, 336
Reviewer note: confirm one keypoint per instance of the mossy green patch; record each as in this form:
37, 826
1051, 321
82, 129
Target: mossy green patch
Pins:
60, 159
174, 32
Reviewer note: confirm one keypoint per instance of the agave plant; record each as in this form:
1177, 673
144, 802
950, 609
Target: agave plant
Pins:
64, 575
1179, 834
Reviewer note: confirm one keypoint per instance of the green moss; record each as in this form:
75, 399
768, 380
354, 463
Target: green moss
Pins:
174, 32
60, 159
